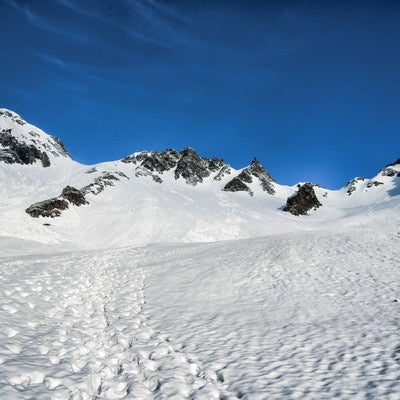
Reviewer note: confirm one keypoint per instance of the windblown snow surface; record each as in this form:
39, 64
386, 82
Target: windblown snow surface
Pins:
168, 291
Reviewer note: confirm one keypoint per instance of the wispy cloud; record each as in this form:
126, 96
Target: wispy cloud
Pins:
51, 59
45, 24
164, 9
145, 20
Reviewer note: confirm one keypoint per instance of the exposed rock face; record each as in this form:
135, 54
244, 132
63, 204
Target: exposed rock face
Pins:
254, 170
236, 185
187, 164
47, 208
14, 117
374, 183
22, 143
352, 185
102, 181
53, 207
16, 152
390, 171
304, 200
154, 161
225, 170
191, 167
59, 145
74, 196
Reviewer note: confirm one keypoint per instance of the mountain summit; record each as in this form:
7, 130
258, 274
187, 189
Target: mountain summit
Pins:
23, 143
160, 196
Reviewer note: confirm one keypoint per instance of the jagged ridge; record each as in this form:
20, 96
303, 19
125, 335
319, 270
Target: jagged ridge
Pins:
22, 143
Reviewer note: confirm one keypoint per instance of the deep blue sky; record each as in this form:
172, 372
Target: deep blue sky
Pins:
311, 88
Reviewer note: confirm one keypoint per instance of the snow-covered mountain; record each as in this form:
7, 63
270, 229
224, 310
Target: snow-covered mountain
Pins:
167, 275
23, 143
157, 196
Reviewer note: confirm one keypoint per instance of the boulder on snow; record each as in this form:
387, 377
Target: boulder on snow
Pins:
47, 208
53, 207
304, 200
74, 196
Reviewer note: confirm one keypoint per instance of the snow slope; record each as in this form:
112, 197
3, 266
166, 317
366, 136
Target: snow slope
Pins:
310, 316
185, 291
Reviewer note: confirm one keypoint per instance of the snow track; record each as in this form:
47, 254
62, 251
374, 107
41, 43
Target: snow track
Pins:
311, 316
83, 333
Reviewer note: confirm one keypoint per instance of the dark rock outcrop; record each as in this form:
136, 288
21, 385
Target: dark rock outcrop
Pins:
191, 167
236, 185
304, 200
60, 147
74, 196
187, 164
389, 172
225, 170
102, 181
16, 118
374, 183
254, 170
47, 208
154, 161
352, 185
16, 152
53, 207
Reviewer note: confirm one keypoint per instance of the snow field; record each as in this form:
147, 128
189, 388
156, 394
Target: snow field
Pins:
75, 327
308, 317
311, 316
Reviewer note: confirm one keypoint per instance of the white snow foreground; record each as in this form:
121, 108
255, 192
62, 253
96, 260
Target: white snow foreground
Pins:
310, 316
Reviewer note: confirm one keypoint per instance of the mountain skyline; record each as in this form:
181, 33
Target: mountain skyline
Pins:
309, 89
24, 143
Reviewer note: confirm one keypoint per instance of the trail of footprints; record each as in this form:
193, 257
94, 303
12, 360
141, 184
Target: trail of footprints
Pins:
76, 327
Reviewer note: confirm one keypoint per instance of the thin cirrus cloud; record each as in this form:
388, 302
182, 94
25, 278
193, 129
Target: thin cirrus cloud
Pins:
45, 24
146, 21
83, 73
51, 59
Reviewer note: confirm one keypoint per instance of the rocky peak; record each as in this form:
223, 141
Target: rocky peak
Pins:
303, 200
254, 171
392, 169
187, 164
192, 167
13, 151
154, 161
22, 143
